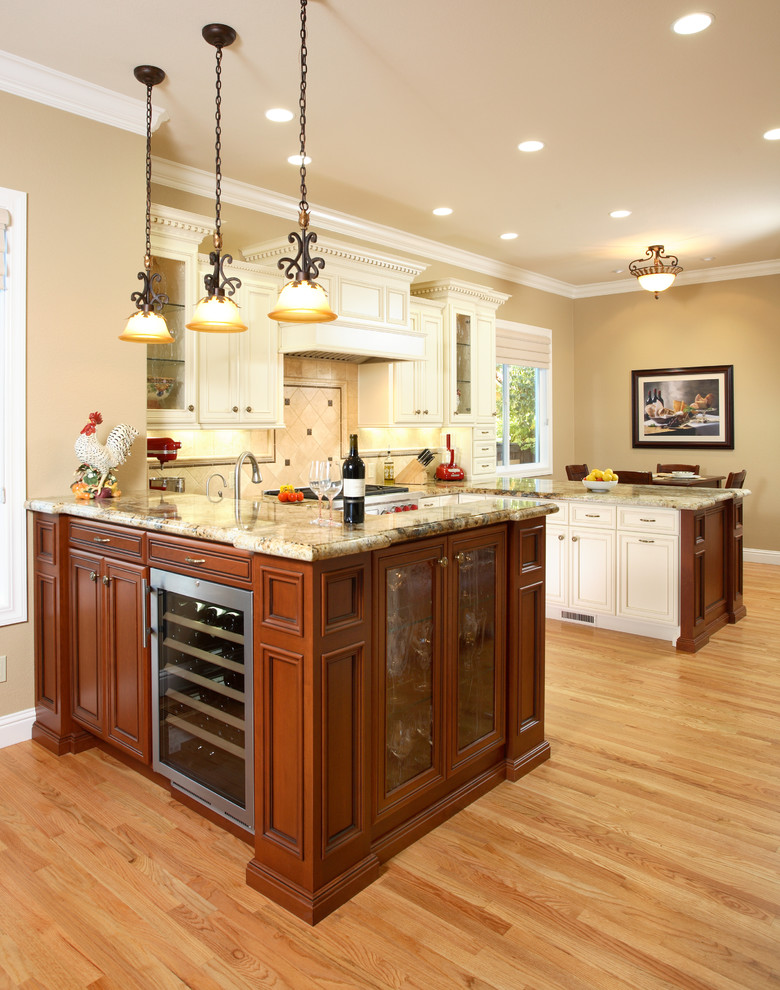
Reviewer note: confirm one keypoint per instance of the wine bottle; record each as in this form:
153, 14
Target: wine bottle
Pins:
354, 494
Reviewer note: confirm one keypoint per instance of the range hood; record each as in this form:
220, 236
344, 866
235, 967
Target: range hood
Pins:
370, 292
342, 341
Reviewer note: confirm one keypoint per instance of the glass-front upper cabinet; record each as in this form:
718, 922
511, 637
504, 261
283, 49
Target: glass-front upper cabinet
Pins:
171, 369
464, 377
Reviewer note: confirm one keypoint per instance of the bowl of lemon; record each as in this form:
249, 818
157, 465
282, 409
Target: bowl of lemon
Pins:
600, 481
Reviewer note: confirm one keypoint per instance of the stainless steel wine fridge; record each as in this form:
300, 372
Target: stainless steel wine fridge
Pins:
202, 691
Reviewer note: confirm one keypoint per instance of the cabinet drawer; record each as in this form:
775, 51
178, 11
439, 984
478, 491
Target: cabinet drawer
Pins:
603, 516
484, 433
436, 501
211, 560
107, 539
483, 463
483, 450
648, 520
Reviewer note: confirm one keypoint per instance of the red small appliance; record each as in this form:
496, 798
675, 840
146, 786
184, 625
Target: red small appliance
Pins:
448, 470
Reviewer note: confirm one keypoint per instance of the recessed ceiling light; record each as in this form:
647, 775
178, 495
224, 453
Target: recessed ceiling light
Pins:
773, 135
619, 214
508, 237
442, 211
711, 258
279, 115
692, 23
296, 160
530, 145
618, 271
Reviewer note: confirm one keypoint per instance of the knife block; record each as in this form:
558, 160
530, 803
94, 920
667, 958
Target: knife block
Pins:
413, 474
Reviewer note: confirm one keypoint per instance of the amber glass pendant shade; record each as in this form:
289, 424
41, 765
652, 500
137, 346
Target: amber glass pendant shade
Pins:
216, 314
302, 302
146, 328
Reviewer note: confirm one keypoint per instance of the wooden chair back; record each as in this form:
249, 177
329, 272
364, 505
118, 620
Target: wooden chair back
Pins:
736, 479
678, 467
576, 472
634, 477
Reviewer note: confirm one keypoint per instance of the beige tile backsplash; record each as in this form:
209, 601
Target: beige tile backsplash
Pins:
320, 412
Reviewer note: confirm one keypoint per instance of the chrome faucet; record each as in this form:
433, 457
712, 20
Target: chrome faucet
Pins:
256, 476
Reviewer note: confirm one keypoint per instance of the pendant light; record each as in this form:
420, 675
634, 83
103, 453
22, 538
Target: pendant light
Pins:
215, 312
148, 326
659, 273
302, 299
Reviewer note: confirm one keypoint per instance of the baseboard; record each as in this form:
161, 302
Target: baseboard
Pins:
16, 728
761, 556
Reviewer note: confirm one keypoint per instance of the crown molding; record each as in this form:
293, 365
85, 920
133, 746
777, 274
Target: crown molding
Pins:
270, 251
724, 273
200, 183
444, 288
193, 226
41, 84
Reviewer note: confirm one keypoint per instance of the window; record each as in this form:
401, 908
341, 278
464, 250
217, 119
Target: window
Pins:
523, 399
13, 522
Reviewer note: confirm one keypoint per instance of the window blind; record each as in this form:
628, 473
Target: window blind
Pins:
522, 344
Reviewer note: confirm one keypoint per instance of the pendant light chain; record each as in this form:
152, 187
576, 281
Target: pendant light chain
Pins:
304, 206
218, 149
148, 255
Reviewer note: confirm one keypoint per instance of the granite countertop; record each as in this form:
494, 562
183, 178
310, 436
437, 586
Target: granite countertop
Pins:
285, 529
660, 496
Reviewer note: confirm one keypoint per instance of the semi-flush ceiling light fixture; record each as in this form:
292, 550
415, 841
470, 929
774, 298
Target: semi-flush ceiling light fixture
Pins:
215, 313
302, 299
147, 326
657, 274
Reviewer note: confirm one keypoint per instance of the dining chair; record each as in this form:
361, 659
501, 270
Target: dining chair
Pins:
635, 477
736, 479
666, 468
576, 472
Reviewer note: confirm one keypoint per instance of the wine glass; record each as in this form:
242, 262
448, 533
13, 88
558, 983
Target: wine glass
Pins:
332, 486
316, 483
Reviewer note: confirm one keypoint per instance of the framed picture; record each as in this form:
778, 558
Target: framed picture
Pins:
683, 408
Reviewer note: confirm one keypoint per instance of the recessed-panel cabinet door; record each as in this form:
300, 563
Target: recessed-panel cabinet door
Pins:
127, 660
86, 636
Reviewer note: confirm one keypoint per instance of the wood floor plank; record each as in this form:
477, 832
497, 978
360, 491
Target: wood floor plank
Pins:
644, 855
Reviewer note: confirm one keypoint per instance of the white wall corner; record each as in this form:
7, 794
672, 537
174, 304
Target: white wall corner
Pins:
16, 728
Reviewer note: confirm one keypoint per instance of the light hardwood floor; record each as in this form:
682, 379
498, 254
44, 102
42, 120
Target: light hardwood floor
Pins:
643, 855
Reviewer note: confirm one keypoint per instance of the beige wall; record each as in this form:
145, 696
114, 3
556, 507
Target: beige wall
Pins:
717, 323
84, 248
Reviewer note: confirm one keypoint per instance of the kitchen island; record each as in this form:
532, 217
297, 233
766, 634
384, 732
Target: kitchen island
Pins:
398, 667
671, 573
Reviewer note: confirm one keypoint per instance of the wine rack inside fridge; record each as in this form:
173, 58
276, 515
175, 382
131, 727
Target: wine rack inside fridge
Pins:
202, 726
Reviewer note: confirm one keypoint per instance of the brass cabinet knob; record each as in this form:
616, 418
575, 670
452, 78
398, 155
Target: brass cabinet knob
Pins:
106, 581
574, 539
425, 412
190, 408
561, 536
92, 576
442, 561
249, 409
235, 408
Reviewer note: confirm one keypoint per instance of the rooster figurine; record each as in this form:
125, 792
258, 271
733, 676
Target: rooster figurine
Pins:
94, 476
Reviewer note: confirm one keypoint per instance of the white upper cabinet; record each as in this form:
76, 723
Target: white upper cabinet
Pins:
468, 348
241, 374
406, 393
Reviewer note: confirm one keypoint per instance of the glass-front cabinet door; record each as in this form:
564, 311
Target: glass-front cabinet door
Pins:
409, 742
477, 651
463, 351
167, 380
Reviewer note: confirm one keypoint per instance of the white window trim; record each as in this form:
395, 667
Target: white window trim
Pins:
13, 389
544, 465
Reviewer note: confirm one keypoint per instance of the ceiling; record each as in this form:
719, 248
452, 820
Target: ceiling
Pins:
414, 104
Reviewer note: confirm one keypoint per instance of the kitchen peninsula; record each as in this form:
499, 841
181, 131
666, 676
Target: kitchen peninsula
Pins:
398, 668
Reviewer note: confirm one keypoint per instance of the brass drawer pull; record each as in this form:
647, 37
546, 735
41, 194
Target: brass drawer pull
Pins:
593, 515
195, 560
646, 520
101, 539
646, 541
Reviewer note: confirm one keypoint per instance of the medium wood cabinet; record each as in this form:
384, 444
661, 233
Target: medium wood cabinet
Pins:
438, 665
109, 650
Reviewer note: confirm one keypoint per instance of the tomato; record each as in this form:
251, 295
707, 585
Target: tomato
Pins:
299, 496
283, 496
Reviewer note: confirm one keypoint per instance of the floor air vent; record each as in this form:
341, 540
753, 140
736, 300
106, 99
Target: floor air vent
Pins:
578, 617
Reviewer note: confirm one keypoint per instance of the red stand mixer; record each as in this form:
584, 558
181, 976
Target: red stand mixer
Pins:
448, 470
163, 449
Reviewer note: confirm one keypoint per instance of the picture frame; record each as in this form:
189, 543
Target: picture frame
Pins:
683, 408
